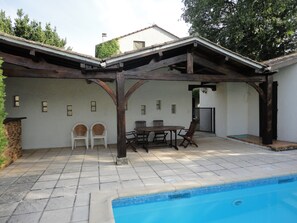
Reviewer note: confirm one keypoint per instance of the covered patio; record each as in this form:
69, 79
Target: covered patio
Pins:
190, 61
55, 185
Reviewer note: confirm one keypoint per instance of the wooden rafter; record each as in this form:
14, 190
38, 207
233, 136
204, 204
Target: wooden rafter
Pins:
157, 65
192, 77
190, 63
221, 68
106, 88
16, 66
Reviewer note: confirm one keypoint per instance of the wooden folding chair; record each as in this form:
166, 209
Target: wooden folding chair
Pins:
188, 136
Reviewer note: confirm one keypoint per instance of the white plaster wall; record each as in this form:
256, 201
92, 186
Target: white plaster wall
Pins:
231, 102
150, 36
287, 103
237, 108
253, 112
52, 129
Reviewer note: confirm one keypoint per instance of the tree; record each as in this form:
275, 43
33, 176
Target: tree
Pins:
5, 23
107, 49
3, 139
258, 29
31, 30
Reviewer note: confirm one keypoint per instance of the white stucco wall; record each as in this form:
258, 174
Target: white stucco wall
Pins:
287, 106
253, 111
52, 129
150, 36
237, 108
233, 113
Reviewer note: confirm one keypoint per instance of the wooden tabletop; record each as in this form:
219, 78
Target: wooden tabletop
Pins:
159, 128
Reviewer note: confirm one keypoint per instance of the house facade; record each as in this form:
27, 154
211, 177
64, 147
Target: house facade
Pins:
145, 37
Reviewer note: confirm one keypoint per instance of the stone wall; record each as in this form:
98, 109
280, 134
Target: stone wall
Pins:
13, 131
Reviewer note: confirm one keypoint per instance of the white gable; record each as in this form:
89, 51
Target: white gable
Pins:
150, 36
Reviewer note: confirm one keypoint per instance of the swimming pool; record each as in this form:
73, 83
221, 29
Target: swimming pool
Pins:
264, 200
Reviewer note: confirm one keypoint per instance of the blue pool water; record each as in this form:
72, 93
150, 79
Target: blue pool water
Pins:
264, 201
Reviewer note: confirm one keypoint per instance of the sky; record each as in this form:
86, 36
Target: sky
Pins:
82, 22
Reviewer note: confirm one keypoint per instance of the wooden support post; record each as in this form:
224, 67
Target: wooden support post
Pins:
190, 63
267, 124
121, 120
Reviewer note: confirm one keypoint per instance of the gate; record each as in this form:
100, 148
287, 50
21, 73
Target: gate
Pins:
206, 119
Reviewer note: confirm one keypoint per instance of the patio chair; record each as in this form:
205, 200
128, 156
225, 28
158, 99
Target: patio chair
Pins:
188, 134
141, 137
79, 132
159, 136
98, 131
131, 140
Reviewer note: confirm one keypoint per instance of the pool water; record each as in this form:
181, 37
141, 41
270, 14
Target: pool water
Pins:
262, 201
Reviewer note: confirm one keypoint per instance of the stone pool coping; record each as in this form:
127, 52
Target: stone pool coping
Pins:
101, 202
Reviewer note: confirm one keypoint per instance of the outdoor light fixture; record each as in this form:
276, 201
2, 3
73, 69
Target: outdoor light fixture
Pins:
143, 109
16, 101
44, 106
69, 110
173, 109
158, 104
93, 106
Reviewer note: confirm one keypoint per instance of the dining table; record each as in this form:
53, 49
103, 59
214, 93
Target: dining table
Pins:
166, 128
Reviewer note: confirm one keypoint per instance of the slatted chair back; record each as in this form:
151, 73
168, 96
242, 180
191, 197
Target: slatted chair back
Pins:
139, 124
80, 130
98, 129
158, 123
192, 129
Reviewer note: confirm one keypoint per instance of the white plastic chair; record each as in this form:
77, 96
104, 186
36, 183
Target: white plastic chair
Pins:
79, 132
98, 131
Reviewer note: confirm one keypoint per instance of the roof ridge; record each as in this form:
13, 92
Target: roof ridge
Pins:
140, 30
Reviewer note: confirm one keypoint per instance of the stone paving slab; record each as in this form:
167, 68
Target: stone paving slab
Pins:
54, 185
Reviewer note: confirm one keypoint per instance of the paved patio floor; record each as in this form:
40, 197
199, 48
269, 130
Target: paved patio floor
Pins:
54, 185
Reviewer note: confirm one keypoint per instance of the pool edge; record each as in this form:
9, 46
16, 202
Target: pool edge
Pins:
102, 200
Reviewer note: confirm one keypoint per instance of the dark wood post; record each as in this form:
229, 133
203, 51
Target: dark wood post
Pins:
121, 120
267, 122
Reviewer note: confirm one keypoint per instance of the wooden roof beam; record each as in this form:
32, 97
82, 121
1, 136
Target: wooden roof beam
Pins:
157, 65
221, 68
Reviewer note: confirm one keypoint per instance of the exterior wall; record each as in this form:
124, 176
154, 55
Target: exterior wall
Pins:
233, 112
287, 107
237, 109
253, 112
150, 36
52, 129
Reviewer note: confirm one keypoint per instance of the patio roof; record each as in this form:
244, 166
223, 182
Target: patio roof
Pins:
281, 62
188, 59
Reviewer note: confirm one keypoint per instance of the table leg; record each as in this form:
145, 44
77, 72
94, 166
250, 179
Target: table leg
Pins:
170, 143
175, 140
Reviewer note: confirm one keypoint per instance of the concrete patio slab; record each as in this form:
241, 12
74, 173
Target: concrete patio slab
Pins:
54, 185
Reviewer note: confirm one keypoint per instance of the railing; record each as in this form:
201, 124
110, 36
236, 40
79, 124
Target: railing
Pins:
206, 119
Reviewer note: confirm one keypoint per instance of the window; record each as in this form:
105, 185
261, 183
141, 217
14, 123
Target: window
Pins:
44, 106
16, 101
138, 45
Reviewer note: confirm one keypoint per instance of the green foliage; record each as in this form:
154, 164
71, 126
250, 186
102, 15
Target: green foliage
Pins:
3, 139
107, 49
259, 29
31, 30
5, 23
